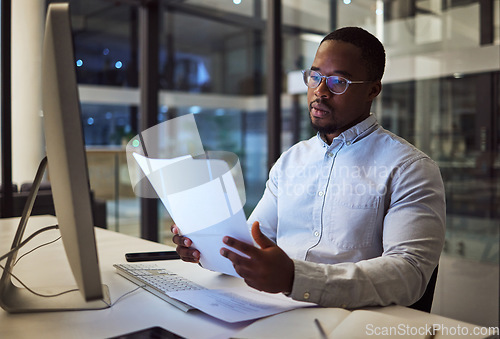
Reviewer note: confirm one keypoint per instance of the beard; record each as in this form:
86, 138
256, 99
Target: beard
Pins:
326, 129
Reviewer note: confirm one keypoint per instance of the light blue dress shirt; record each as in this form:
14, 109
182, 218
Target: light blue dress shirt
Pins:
363, 218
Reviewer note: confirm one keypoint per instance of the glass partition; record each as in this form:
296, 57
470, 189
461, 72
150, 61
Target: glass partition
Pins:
441, 117
211, 63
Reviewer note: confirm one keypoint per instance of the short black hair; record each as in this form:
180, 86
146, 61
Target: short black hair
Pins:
372, 50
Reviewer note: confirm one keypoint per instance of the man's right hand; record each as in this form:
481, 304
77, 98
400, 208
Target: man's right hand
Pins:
184, 246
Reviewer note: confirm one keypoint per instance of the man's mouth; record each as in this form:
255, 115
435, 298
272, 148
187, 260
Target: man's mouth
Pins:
318, 112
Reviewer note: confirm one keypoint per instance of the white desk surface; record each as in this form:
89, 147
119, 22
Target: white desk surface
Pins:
48, 267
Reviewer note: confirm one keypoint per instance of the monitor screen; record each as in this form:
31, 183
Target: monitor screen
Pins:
67, 170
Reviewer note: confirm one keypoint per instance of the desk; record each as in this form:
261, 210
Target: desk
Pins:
48, 267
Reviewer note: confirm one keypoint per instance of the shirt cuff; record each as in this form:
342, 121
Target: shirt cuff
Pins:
307, 282
310, 284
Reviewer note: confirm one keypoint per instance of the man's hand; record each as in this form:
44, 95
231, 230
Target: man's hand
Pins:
268, 269
184, 246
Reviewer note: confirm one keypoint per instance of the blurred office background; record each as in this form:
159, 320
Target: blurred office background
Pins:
440, 91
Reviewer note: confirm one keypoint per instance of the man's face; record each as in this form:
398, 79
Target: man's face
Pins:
331, 114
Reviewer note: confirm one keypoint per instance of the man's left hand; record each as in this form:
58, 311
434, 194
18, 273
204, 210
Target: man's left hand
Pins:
267, 269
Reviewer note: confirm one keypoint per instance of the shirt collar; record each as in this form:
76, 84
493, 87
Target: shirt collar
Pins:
352, 134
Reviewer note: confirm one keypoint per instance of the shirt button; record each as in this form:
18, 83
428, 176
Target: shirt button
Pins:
321, 193
306, 295
316, 233
348, 143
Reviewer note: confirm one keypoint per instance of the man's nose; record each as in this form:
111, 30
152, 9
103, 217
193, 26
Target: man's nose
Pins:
322, 90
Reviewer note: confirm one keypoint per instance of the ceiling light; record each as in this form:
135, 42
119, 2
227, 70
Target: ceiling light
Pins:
316, 38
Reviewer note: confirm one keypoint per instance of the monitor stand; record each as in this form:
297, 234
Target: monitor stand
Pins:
14, 299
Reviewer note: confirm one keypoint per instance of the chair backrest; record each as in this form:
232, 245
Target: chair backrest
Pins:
14, 188
425, 302
44, 186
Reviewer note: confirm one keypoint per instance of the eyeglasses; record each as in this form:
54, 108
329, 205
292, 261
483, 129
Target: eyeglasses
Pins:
336, 84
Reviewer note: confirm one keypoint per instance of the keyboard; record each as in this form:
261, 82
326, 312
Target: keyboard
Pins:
158, 281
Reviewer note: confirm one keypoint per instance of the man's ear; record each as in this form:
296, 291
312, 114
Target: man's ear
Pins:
375, 90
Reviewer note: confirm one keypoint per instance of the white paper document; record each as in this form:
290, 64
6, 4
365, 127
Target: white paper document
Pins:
203, 199
237, 304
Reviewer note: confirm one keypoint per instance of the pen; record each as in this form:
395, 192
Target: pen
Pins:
433, 334
320, 329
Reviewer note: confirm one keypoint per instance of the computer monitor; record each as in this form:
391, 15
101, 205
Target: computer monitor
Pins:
68, 174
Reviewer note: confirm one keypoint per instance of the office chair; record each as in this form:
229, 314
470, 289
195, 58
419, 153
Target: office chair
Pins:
425, 302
